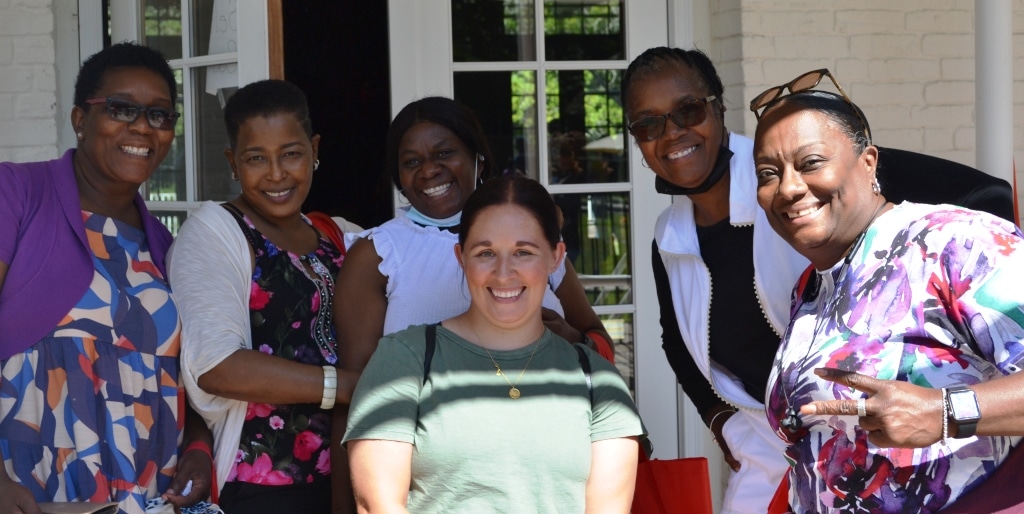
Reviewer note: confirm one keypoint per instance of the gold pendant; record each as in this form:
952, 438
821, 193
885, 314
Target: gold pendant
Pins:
513, 393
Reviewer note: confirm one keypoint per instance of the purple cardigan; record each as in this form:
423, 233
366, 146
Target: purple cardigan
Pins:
42, 240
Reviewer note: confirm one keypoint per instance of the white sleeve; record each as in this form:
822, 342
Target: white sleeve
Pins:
209, 269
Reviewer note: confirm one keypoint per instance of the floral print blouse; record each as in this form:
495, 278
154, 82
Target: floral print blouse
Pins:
291, 317
932, 295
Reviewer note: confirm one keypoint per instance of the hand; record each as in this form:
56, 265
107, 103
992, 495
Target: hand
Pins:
559, 326
899, 414
718, 419
194, 466
16, 498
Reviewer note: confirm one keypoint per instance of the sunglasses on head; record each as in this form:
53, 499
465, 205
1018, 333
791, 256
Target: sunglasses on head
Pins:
686, 114
804, 82
128, 112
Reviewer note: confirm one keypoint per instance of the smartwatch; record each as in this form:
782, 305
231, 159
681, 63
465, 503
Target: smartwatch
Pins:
963, 410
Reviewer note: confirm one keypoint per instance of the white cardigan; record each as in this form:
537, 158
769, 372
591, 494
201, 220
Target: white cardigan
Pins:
210, 272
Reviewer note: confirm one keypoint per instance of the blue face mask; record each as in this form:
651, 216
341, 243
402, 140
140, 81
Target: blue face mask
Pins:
421, 219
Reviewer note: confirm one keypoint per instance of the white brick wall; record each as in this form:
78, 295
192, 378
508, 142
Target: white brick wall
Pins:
909, 64
28, 85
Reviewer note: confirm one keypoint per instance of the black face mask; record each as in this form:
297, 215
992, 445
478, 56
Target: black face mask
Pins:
721, 166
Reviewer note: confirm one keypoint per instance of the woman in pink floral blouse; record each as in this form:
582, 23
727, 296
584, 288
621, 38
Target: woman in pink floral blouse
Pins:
897, 385
255, 282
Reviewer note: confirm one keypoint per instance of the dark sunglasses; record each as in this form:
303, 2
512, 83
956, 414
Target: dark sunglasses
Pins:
687, 114
128, 112
804, 82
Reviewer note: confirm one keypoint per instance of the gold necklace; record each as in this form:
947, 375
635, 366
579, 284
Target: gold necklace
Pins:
513, 391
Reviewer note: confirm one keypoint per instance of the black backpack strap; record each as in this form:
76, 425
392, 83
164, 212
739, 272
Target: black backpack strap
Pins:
429, 354
585, 364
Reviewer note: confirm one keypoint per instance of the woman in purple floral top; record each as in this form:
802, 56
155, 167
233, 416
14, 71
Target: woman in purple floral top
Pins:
256, 281
896, 386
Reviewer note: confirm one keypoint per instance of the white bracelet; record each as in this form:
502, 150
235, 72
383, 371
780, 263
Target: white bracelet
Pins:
711, 425
330, 387
945, 416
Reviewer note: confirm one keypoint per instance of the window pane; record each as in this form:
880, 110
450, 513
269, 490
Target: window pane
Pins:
171, 219
161, 28
596, 235
583, 30
586, 127
214, 27
167, 184
493, 30
620, 327
211, 138
510, 125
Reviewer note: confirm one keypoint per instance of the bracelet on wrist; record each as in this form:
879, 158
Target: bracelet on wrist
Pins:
330, 387
711, 424
945, 416
199, 446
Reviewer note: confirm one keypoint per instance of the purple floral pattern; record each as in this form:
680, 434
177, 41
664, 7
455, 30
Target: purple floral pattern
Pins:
291, 317
931, 296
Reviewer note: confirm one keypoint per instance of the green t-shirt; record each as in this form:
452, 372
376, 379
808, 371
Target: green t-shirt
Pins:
476, 449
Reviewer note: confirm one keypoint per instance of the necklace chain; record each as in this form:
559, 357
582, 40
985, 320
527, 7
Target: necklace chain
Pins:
513, 391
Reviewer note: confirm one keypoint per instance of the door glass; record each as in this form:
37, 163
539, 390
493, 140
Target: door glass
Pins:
171, 219
493, 30
620, 327
585, 127
211, 138
584, 30
162, 26
595, 229
167, 183
511, 125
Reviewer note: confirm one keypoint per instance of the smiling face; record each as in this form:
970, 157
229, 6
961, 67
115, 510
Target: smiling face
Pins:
273, 159
812, 184
436, 169
682, 156
116, 153
507, 260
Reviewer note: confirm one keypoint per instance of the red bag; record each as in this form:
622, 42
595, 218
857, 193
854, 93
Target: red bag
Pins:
672, 486
329, 228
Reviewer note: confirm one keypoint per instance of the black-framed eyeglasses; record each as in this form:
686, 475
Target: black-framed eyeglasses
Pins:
686, 114
123, 110
804, 82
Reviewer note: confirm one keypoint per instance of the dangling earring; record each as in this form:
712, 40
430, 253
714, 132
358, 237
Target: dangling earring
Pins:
643, 162
876, 187
476, 166
316, 164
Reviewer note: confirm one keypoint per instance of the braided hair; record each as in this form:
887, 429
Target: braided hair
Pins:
658, 59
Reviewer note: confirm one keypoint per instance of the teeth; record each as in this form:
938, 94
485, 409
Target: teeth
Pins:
507, 294
682, 153
437, 190
135, 150
800, 214
277, 194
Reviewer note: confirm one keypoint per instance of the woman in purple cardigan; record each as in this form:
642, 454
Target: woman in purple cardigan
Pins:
91, 407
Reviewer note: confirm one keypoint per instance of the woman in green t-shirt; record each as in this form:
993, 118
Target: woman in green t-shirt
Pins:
501, 417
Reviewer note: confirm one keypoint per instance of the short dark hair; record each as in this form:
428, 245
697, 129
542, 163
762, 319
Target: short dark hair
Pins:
265, 98
121, 55
516, 190
842, 112
657, 59
446, 112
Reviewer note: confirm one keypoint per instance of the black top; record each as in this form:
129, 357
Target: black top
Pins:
922, 178
741, 339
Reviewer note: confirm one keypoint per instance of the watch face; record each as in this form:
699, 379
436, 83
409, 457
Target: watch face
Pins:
964, 405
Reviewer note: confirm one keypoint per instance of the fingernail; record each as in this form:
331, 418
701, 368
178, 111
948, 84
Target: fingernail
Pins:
820, 372
808, 409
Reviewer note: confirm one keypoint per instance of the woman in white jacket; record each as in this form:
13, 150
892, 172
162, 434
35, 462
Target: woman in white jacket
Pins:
714, 238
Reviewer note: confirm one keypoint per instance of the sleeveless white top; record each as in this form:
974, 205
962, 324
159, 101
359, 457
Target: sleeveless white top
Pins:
425, 283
